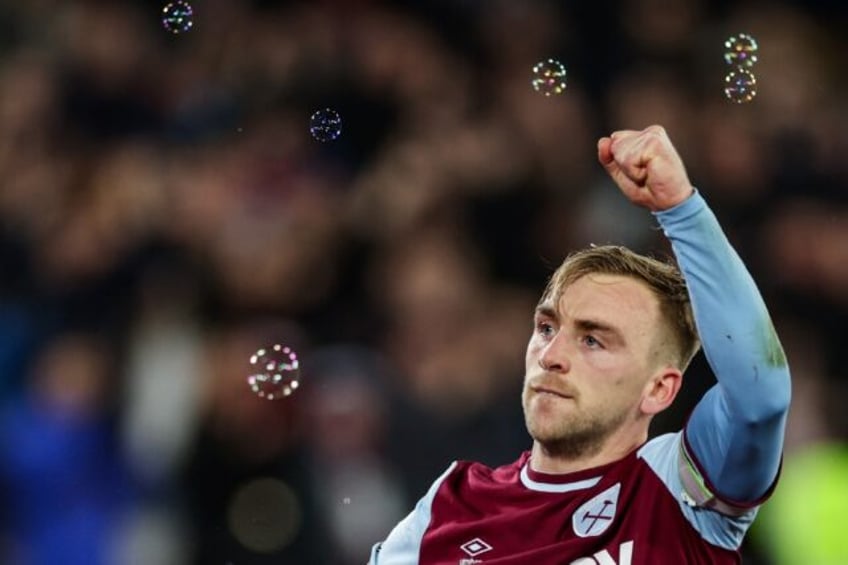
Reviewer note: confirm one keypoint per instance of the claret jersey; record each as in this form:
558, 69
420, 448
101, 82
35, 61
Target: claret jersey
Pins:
635, 511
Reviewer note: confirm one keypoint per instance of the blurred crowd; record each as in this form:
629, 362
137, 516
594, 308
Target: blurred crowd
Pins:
164, 213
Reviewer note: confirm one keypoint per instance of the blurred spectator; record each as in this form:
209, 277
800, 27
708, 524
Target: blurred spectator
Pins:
348, 416
244, 477
66, 484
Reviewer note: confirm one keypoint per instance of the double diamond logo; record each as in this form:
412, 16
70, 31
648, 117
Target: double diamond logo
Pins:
475, 547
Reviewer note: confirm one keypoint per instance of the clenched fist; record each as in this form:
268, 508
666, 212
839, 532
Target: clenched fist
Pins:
646, 167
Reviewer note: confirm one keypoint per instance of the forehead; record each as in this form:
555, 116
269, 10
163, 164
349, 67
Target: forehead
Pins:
625, 301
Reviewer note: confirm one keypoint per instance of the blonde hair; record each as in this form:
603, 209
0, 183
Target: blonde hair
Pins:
663, 278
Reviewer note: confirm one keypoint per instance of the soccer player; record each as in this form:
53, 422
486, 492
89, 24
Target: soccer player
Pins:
614, 332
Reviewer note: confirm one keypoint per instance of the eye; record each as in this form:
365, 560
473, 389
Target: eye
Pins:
592, 342
545, 328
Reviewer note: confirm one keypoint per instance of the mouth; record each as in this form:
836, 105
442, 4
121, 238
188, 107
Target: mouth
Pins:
549, 392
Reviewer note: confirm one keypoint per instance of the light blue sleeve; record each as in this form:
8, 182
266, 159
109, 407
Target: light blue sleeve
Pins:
403, 545
734, 436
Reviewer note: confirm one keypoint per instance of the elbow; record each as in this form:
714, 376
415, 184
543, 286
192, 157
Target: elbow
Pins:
780, 399
768, 405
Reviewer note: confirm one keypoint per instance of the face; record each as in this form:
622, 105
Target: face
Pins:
588, 362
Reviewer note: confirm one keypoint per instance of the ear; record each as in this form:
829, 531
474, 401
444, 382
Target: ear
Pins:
661, 390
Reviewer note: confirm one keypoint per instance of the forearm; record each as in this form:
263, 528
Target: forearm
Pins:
736, 431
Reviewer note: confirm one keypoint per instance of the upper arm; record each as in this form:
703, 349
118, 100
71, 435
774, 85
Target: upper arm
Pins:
734, 459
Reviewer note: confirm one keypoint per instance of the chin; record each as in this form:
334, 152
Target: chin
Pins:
545, 431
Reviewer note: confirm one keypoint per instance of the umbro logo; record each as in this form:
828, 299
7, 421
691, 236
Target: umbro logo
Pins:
475, 547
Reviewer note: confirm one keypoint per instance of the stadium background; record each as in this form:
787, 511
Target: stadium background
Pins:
165, 212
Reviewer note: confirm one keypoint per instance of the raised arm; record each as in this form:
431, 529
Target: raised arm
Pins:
734, 437
735, 434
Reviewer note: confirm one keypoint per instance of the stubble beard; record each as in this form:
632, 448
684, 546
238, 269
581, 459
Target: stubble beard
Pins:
574, 435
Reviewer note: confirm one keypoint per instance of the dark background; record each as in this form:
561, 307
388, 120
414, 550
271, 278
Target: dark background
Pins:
165, 213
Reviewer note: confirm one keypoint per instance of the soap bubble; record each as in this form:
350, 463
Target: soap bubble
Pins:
741, 51
274, 372
325, 125
549, 77
740, 86
177, 17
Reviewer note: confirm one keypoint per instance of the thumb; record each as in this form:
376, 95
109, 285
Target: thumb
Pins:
605, 153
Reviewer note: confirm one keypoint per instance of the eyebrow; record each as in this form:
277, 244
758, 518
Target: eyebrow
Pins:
546, 311
601, 327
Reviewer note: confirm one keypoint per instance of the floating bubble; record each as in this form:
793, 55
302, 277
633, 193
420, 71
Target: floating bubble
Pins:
274, 372
549, 77
741, 51
325, 125
740, 86
177, 17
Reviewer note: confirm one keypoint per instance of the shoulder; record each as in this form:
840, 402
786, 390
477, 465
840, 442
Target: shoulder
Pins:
462, 485
666, 457
474, 475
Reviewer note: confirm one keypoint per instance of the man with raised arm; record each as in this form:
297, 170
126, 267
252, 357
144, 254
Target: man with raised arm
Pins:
613, 333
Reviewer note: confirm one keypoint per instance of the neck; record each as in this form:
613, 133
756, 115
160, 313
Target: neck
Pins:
544, 459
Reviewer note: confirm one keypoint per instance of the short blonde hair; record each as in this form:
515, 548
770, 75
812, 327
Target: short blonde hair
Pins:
663, 278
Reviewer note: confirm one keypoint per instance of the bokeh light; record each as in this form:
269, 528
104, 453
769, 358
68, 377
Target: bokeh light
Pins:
264, 515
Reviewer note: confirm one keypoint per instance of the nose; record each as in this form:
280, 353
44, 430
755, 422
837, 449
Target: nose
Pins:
554, 357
